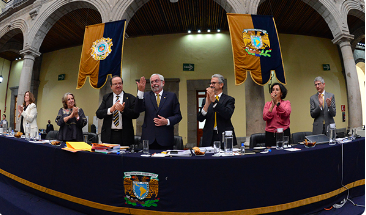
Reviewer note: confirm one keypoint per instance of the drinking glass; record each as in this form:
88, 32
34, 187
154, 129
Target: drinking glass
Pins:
145, 147
86, 138
286, 143
217, 147
279, 139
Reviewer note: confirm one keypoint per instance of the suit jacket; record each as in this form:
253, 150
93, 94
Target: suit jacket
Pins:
224, 110
127, 115
319, 115
169, 108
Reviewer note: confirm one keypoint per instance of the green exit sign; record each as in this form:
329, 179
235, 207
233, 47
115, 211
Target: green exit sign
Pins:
326, 67
188, 67
61, 77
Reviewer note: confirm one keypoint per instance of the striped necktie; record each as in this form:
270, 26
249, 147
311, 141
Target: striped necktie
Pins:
116, 115
217, 97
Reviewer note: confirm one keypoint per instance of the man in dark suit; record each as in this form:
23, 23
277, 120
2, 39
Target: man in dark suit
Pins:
117, 110
162, 112
49, 127
322, 107
217, 109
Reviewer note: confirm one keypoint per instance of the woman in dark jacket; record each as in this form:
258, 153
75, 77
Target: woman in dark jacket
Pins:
71, 120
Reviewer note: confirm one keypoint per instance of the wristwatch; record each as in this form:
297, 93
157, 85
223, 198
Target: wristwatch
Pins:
278, 104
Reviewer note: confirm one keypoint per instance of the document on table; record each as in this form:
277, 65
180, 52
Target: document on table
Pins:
81, 146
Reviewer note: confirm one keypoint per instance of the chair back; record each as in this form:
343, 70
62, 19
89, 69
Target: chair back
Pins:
52, 135
92, 137
258, 139
299, 136
178, 143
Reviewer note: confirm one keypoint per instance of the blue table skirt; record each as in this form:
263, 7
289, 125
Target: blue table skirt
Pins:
279, 182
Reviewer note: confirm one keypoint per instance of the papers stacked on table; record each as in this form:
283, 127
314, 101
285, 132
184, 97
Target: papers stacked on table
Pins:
106, 148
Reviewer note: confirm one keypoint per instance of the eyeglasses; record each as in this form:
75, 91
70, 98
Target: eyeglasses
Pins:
155, 81
213, 83
116, 84
317, 84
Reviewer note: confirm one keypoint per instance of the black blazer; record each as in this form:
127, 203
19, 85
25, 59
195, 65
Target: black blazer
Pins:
169, 108
224, 110
127, 116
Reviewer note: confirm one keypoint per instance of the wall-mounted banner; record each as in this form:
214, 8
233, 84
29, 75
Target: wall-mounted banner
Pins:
256, 48
102, 53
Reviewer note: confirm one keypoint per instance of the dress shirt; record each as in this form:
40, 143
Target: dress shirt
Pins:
119, 113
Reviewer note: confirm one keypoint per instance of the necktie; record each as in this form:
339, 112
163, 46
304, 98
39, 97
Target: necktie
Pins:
158, 99
323, 99
217, 97
116, 115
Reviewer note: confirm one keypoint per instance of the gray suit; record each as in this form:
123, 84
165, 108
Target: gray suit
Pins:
319, 115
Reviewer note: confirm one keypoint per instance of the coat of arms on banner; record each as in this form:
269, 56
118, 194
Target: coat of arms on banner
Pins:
101, 48
256, 42
141, 188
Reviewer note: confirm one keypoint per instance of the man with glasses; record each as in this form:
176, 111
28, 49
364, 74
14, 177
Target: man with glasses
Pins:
162, 112
217, 109
322, 107
117, 110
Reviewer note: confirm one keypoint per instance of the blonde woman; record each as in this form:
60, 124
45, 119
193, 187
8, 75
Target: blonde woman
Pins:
71, 120
28, 114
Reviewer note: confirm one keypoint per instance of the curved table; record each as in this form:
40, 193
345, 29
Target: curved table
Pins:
278, 182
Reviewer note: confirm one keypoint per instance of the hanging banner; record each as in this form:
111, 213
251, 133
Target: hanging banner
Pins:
255, 47
102, 53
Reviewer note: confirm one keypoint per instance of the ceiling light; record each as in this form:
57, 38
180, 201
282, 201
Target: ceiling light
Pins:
199, 31
218, 30
189, 31
208, 30
173, 1
1, 78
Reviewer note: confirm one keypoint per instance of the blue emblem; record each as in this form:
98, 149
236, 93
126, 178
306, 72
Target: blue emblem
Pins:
140, 189
257, 41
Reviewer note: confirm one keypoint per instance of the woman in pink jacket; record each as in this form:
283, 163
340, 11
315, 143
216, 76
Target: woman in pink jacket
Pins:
276, 113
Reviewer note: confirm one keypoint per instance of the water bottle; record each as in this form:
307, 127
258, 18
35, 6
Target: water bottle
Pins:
332, 133
5, 127
12, 133
228, 147
242, 149
279, 139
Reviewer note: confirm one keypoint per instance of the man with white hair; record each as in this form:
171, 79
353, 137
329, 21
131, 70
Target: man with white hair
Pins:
322, 107
162, 112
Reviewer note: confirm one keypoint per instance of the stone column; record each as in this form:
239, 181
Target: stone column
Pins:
26, 76
353, 89
254, 103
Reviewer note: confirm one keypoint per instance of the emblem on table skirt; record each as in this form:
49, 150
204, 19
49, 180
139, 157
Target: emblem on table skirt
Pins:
256, 42
101, 48
141, 189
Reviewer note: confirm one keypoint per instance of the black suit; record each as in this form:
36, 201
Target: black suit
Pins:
224, 110
169, 108
127, 115
49, 128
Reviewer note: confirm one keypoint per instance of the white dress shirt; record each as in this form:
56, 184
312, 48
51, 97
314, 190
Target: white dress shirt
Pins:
119, 113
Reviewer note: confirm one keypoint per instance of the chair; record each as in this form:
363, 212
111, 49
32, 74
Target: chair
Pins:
341, 132
258, 139
137, 140
299, 136
92, 137
178, 143
52, 135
